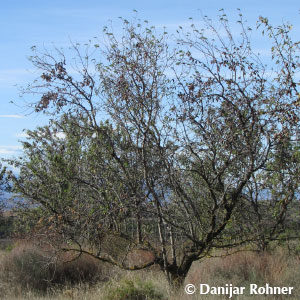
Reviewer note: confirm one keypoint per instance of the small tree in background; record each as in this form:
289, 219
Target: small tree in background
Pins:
4, 223
173, 151
2, 184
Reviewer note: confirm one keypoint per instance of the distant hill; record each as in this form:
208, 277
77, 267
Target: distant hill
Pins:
5, 199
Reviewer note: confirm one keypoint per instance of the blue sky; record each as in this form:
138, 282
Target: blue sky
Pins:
44, 23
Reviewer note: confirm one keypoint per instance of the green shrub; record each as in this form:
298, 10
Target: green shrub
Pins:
134, 290
34, 270
28, 268
6, 226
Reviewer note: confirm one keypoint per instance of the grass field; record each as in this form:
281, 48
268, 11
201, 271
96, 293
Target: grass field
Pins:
26, 273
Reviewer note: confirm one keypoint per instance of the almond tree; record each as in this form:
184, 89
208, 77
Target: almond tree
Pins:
191, 135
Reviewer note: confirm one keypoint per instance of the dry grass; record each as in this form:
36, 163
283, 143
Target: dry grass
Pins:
26, 271
277, 268
243, 268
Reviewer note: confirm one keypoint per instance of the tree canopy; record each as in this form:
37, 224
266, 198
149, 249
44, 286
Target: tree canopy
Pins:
174, 145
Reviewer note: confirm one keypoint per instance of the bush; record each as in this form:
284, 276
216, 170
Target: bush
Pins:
276, 268
134, 290
28, 268
6, 225
34, 270
85, 269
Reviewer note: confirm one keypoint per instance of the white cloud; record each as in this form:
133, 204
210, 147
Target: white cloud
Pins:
60, 135
14, 169
12, 116
22, 135
9, 150
14, 76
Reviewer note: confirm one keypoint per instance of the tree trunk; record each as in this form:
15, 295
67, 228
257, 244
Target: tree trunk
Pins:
176, 281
